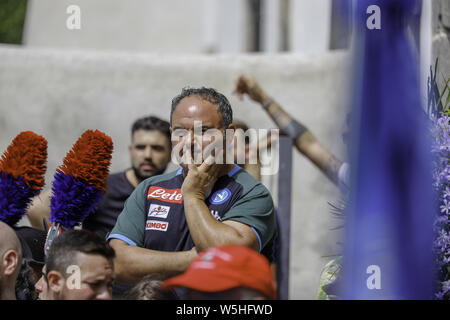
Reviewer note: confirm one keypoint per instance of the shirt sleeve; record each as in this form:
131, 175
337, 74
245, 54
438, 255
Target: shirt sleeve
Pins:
256, 210
130, 225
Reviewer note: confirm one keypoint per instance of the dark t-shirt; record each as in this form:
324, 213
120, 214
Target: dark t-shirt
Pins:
153, 216
104, 218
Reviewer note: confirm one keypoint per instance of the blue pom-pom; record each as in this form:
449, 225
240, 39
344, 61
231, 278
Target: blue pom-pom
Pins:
15, 196
72, 200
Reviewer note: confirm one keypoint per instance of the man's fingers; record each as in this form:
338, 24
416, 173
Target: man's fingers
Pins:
207, 163
242, 85
189, 161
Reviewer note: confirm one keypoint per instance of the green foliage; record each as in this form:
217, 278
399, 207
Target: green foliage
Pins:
438, 103
445, 106
12, 20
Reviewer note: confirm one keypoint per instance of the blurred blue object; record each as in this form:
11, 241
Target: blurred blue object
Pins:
389, 227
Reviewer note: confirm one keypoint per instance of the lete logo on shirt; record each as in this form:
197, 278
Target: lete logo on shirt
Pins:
166, 195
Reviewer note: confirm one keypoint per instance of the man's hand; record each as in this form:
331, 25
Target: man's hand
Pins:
200, 180
248, 85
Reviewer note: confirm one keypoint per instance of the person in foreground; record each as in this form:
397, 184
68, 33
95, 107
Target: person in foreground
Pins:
10, 261
169, 218
79, 266
226, 272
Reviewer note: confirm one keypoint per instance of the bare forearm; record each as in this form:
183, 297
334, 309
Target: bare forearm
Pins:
40, 209
308, 145
133, 263
304, 140
277, 114
281, 118
205, 230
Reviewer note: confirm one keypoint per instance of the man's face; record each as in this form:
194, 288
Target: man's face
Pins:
97, 276
149, 153
194, 114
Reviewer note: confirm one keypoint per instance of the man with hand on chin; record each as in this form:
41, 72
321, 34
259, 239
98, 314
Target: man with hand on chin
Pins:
171, 217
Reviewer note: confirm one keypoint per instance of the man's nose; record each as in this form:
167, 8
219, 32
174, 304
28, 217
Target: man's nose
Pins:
192, 141
148, 152
38, 285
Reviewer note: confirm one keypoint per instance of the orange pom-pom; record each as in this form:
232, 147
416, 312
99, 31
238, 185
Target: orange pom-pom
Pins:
89, 159
26, 157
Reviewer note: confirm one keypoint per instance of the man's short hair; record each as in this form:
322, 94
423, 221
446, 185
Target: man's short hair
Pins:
210, 95
150, 289
62, 252
152, 123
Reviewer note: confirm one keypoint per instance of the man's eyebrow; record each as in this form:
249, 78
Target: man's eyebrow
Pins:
98, 277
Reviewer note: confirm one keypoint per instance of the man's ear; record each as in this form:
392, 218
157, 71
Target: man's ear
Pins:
11, 261
55, 281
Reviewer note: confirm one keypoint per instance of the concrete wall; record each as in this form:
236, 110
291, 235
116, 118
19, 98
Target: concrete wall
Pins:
59, 94
195, 26
310, 23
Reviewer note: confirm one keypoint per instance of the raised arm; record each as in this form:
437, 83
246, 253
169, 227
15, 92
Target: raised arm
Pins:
304, 140
40, 209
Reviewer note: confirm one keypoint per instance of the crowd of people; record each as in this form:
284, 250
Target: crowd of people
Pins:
205, 231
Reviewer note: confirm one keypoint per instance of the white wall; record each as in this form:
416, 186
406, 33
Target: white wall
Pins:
178, 26
132, 25
169, 26
310, 23
59, 94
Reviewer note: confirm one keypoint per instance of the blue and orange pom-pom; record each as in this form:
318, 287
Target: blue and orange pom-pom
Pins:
22, 175
80, 182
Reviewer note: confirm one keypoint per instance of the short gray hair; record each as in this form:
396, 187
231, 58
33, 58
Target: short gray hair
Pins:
210, 95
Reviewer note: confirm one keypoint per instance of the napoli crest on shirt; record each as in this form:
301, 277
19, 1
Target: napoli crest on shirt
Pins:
159, 211
220, 196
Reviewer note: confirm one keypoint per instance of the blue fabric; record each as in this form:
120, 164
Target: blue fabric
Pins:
233, 171
259, 238
72, 200
121, 237
15, 196
390, 211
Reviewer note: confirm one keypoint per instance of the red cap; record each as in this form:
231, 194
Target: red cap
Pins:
227, 267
